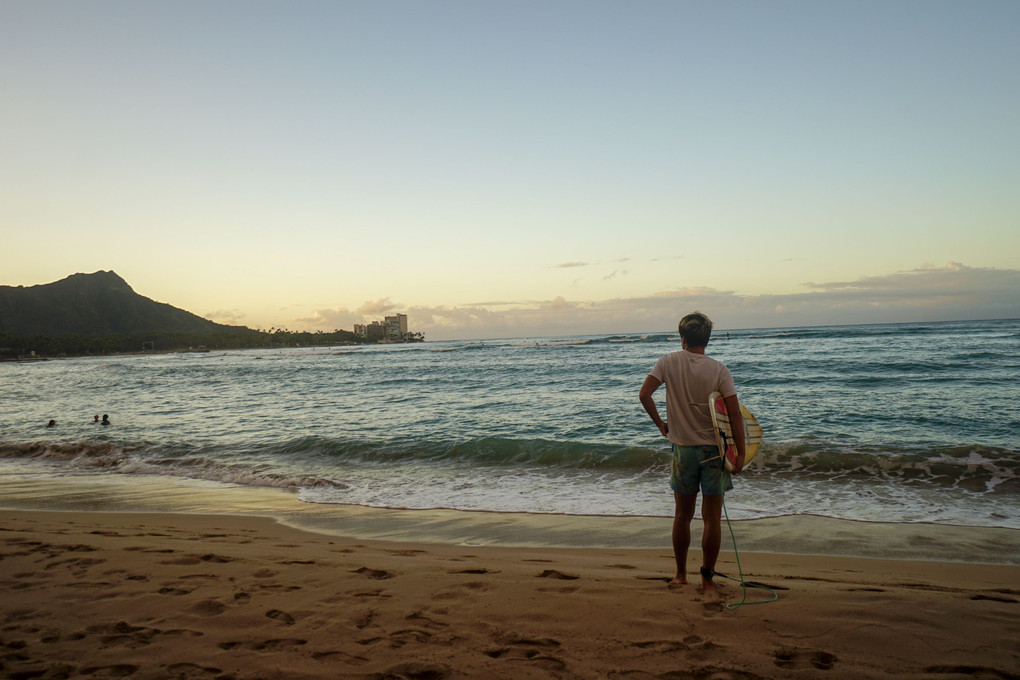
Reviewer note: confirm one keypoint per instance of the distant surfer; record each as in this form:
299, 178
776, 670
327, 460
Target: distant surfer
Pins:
690, 378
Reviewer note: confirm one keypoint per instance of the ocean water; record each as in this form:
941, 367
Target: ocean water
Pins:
896, 422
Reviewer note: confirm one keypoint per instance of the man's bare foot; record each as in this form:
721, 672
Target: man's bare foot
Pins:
708, 586
677, 582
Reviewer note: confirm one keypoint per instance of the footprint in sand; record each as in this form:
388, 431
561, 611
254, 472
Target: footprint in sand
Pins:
187, 561
418, 671
265, 645
661, 646
534, 651
410, 635
364, 620
78, 567
376, 574
278, 645
116, 671
688, 643
145, 549
804, 658
371, 593
661, 579
283, 617
208, 608
191, 670
399, 638
123, 634
559, 575
342, 657
427, 620
994, 598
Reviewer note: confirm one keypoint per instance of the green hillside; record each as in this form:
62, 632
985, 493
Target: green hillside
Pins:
91, 304
99, 314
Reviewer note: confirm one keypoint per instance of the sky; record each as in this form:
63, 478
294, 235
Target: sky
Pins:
518, 168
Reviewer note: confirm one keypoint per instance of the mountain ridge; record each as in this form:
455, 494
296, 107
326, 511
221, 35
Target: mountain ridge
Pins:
97, 304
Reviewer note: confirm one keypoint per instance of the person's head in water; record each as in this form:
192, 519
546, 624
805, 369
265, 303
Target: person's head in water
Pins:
695, 329
95, 419
52, 423
105, 420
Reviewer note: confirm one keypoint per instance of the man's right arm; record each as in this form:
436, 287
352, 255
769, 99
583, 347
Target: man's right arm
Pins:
648, 401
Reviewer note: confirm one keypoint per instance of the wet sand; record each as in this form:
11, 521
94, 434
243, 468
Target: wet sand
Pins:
101, 590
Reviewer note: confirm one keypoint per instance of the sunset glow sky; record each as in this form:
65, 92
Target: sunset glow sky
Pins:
499, 169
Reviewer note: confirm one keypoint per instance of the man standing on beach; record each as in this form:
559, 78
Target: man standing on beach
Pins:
690, 378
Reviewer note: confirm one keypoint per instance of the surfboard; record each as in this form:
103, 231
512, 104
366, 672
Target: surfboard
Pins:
724, 431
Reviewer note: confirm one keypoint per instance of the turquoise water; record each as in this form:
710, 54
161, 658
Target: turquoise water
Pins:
896, 422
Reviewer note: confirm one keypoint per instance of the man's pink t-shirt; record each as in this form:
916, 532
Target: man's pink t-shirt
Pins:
689, 379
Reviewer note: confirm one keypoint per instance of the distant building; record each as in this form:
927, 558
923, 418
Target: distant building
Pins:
375, 331
390, 329
396, 327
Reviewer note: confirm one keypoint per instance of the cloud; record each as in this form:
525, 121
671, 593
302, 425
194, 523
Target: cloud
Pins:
378, 307
329, 319
233, 317
332, 318
570, 265
950, 292
953, 277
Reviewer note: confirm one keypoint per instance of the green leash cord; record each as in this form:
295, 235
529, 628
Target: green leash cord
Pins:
743, 584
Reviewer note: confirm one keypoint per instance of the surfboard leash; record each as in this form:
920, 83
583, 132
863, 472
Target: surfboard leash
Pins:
744, 584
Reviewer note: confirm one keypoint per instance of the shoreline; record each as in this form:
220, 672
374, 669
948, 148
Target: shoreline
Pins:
785, 535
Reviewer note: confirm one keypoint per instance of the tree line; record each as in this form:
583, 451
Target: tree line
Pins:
21, 347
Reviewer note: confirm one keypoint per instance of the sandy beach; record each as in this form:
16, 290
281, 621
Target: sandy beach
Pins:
190, 595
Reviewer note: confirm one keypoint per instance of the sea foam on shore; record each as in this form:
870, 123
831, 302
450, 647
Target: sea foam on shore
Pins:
24, 486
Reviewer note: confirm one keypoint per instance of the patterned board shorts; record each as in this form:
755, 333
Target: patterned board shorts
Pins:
699, 466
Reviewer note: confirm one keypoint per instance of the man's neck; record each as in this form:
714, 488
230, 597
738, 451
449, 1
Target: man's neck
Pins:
692, 350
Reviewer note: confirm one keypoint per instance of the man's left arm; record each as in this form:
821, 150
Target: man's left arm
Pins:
737, 425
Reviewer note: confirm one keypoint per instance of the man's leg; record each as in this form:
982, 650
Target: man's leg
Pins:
685, 505
711, 538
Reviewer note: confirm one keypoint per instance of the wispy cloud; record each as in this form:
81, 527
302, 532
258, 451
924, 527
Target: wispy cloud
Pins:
570, 265
228, 316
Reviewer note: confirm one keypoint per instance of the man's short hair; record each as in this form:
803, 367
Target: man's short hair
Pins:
696, 329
